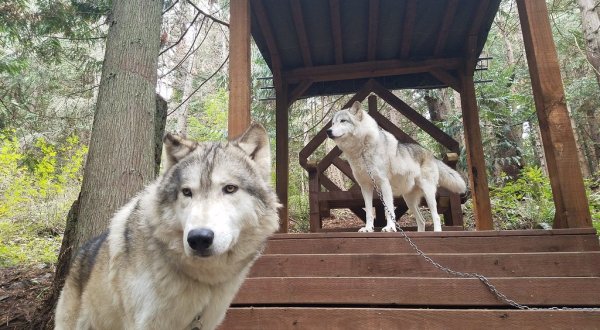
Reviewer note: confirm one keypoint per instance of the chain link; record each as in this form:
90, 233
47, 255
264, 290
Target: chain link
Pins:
499, 295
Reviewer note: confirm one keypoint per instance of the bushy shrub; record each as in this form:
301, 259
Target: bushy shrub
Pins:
37, 187
523, 203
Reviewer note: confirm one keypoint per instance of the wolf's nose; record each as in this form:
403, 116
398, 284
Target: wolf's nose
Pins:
330, 133
200, 239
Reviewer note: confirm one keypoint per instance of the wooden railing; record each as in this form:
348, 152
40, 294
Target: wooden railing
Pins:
325, 195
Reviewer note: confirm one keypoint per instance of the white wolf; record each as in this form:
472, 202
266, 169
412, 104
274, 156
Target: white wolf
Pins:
397, 168
175, 255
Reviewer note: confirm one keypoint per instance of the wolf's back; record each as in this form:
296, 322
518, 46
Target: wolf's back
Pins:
450, 179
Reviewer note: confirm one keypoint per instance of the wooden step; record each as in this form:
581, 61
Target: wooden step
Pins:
517, 241
412, 291
557, 264
264, 318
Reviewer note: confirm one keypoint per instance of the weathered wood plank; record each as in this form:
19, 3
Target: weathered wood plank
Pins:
372, 32
239, 69
301, 32
572, 210
546, 264
430, 242
410, 291
408, 27
444, 30
370, 69
475, 157
282, 157
336, 30
244, 318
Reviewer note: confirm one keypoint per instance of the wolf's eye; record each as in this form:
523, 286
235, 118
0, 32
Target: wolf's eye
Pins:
343, 121
187, 192
230, 189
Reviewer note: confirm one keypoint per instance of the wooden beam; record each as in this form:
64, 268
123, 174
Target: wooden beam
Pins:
298, 91
373, 25
369, 69
239, 68
446, 78
410, 113
336, 30
306, 317
475, 159
417, 291
282, 158
267, 32
301, 32
572, 210
478, 18
410, 14
445, 27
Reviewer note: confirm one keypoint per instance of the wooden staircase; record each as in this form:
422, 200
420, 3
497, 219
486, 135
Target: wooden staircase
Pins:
377, 281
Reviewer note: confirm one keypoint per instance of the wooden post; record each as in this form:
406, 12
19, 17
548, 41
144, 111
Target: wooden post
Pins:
475, 160
239, 68
282, 150
572, 210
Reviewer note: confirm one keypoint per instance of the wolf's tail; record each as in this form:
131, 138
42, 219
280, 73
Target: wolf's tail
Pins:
450, 179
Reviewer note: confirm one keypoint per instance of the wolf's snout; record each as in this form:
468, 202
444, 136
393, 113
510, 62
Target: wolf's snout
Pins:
330, 133
200, 239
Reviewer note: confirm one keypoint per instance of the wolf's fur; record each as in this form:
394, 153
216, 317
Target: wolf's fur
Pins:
397, 168
144, 274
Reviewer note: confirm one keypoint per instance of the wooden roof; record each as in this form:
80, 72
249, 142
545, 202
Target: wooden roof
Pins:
338, 44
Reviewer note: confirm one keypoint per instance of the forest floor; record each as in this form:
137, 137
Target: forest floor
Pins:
22, 290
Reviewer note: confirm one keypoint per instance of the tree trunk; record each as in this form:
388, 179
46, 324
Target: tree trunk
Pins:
186, 74
123, 151
593, 131
121, 155
590, 21
585, 170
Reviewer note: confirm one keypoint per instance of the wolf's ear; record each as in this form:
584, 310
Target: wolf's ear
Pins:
356, 110
175, 148
255, 142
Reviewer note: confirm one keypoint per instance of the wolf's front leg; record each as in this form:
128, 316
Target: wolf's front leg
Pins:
222, 295
367, 192
388, 199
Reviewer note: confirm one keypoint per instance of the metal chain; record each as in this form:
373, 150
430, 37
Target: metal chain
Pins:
499, 295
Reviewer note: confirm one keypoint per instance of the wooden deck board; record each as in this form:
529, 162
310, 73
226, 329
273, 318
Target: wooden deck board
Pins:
450, 242
561, 264
546, 291
384, 318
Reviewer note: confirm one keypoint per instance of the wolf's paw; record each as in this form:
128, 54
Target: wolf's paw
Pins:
388, 229
366, 229
437, 228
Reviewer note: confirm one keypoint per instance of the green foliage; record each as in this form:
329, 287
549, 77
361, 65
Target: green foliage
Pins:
523, 203
210, 124
37, 187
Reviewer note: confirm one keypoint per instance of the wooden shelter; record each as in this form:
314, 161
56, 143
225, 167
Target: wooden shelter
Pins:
363, 47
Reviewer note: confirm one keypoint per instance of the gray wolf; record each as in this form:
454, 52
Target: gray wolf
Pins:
176, 254
397, 168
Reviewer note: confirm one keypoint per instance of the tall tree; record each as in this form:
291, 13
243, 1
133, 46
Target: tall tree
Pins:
121, 158
590, 21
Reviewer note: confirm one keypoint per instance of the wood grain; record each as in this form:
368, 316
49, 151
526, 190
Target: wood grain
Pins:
261, 318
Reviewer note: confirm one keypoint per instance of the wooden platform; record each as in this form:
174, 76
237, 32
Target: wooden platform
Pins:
376, 281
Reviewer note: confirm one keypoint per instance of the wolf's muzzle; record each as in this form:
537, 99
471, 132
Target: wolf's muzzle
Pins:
200, 239
330, 133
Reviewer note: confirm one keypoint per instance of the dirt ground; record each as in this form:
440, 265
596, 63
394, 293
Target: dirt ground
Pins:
22, 289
